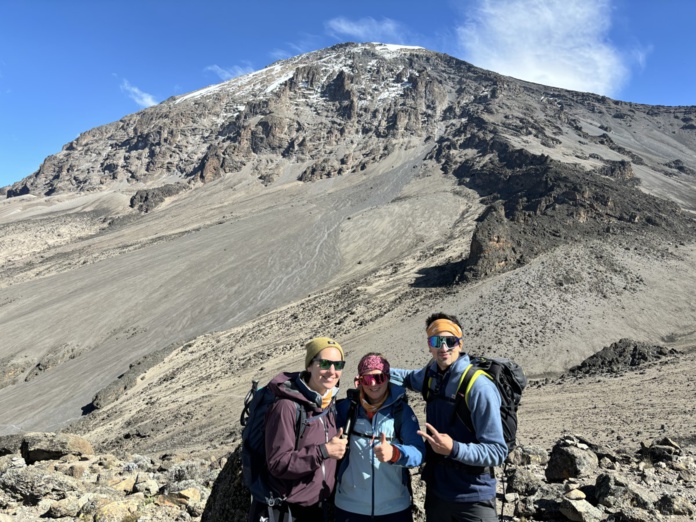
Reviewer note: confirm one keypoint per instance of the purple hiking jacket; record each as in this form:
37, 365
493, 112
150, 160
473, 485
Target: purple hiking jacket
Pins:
305, 475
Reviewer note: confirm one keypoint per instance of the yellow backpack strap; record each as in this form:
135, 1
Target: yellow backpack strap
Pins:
426, 389
476, 375
427, 382
466, 381
461, 379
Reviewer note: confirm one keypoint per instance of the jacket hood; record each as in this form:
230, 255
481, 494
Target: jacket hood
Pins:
293, 386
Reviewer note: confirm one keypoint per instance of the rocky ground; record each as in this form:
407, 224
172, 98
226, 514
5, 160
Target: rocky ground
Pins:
591, 448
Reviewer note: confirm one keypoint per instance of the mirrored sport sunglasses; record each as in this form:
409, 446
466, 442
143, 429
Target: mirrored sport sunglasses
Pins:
435, 341
325, 364
373, 379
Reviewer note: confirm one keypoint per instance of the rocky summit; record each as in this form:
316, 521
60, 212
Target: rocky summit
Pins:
155, 265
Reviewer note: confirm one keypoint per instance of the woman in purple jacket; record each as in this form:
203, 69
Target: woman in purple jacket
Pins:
304, 473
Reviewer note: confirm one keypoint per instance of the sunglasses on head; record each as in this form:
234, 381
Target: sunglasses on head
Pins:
373, 379
325, 364
435, 341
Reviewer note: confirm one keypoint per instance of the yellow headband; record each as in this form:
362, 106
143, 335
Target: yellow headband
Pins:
444, 325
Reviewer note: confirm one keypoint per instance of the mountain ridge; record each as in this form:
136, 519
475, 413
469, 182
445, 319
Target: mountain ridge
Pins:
243, 124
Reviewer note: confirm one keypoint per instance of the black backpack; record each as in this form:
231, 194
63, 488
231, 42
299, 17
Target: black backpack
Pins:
510, 380
253, 418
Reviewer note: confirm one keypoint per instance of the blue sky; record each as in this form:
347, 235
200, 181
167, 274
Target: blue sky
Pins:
68, 66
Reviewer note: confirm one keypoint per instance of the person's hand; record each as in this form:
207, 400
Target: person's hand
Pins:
440, 442
336, 447
384, 451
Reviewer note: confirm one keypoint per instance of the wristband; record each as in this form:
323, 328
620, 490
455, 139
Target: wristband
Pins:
324, 452
396, 455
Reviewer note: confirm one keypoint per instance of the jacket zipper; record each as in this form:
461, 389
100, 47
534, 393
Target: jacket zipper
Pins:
372, 463
326, 439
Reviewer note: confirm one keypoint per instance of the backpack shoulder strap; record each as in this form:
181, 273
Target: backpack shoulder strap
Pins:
427, 389
398, 413
300, 418
246, 411
461, 403
300, 422
468, 379
351, 396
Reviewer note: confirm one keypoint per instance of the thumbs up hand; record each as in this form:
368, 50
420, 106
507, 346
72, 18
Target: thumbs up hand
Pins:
384, 451
336, 447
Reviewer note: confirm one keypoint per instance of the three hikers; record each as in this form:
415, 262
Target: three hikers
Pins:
465, 435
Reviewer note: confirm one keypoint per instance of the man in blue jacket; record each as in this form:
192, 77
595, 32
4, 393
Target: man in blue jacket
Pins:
459, 475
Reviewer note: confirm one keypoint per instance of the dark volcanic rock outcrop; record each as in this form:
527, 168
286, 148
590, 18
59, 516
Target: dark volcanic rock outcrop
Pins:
229, 498
621, 356
539, 204
148, 199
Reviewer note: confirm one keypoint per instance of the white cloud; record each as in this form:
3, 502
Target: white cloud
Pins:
141, 98
367, 29
231, 72
305, 43
280, 54
640, 55
562, 43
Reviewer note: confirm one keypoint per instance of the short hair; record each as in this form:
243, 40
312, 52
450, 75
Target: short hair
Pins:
442, 315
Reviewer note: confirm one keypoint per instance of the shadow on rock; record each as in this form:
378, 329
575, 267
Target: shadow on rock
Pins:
229, 499
439, 276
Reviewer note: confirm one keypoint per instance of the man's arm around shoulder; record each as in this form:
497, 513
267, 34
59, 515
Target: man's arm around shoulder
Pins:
411, 379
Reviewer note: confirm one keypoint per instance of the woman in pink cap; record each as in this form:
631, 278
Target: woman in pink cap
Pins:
373, 479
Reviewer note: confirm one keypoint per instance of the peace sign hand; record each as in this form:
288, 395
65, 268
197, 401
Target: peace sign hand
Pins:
440, 442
